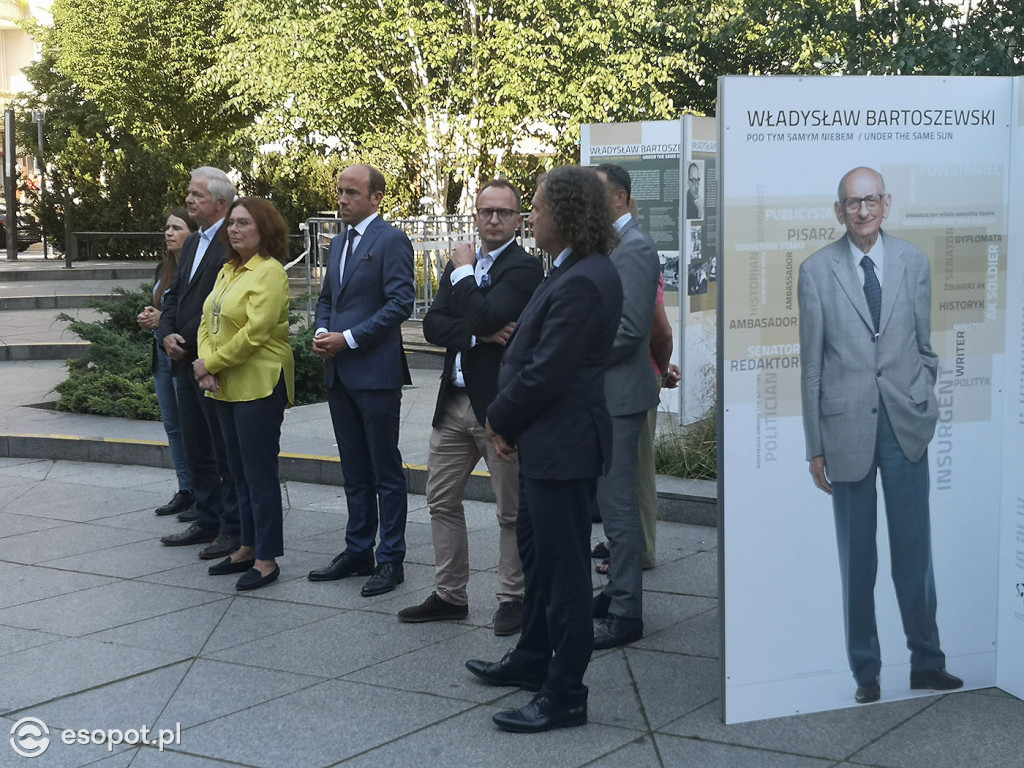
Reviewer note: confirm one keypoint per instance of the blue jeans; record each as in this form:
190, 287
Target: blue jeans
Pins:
163, 382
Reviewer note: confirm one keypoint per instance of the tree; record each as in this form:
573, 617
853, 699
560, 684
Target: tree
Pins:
439, 94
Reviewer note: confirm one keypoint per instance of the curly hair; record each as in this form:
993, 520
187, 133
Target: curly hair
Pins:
272, 228
575, 198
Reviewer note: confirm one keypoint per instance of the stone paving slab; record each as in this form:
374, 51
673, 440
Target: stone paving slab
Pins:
96, 631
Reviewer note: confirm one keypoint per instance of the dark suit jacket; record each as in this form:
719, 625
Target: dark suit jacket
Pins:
183, 304
551, 401
465, 310
376, 295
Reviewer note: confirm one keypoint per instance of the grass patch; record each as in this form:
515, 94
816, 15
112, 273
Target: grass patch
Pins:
690, 451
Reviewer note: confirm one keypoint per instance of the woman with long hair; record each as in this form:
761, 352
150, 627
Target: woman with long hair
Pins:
245, 364
176, 231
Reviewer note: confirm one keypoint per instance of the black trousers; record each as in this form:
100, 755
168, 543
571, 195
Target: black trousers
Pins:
252, 436
212, 482
554, 544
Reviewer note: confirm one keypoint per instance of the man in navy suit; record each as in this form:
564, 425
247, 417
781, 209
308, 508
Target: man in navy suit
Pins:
481, 294
551, 407
368, 291
209, 194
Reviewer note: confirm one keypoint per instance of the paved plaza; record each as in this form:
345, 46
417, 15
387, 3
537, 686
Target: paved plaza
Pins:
103, 628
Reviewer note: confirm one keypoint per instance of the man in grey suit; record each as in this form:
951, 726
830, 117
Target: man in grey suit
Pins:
630, 392
867, 381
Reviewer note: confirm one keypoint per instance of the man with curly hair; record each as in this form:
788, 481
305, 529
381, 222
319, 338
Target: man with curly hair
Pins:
551, 408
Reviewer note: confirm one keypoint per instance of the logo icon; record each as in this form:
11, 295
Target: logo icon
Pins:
30, 737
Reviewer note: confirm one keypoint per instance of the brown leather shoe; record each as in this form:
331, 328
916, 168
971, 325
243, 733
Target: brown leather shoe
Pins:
434, 608
194, 534
221, 547
508, 619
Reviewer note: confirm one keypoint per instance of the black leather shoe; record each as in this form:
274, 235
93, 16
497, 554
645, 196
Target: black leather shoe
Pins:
600, 605
189, 516
434, 608
341, 566
935, 680
505, 672
181, 501
384, 579
613, 631
193, 535
253, 579
541, 714
225, 566
867, 693
221, 546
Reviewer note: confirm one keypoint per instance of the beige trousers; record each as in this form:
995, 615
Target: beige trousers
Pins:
456, 445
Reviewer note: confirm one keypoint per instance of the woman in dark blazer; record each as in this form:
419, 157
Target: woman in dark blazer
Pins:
177, 229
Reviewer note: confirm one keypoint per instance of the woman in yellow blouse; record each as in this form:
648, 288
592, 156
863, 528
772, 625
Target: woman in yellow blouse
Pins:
245, 363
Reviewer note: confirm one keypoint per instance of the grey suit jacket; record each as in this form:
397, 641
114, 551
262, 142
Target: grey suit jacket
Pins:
629, 384
845, 369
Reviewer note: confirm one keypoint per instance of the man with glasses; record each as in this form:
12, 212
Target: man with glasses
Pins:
694, 203
868, 375
481, 294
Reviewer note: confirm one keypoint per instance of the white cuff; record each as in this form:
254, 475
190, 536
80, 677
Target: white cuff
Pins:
460, 273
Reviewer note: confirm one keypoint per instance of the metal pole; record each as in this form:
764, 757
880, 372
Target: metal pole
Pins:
38, 116
10, 148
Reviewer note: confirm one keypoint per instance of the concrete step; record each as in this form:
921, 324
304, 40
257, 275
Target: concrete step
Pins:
46, 271
59, 302
43, 350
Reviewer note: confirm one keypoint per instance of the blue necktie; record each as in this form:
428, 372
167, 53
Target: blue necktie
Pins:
872, 290
350, 238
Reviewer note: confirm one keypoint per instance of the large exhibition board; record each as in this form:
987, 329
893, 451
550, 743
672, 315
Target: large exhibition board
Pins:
673, 166
943, 147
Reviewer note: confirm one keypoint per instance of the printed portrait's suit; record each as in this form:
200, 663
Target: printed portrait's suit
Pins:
869, 404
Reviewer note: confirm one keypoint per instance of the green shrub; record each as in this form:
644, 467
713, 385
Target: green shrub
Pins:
309, 369
115, 378
690, 451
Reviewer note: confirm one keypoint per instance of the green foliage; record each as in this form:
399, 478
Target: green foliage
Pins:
309, 369
439, 94
115, 377
690, 451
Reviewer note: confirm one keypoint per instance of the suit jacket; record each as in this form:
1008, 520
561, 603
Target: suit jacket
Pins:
375, 296
183, 303
845, 369
465, 310
628, 386
550, 399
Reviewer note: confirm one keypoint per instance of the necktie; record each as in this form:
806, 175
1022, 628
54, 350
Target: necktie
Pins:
350, 239
872, 290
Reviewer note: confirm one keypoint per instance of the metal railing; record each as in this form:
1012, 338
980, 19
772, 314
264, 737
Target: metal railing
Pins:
433, 238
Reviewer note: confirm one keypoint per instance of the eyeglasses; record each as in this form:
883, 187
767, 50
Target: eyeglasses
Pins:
504, 214
852, 204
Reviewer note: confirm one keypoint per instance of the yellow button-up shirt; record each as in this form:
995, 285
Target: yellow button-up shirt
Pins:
243, 336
